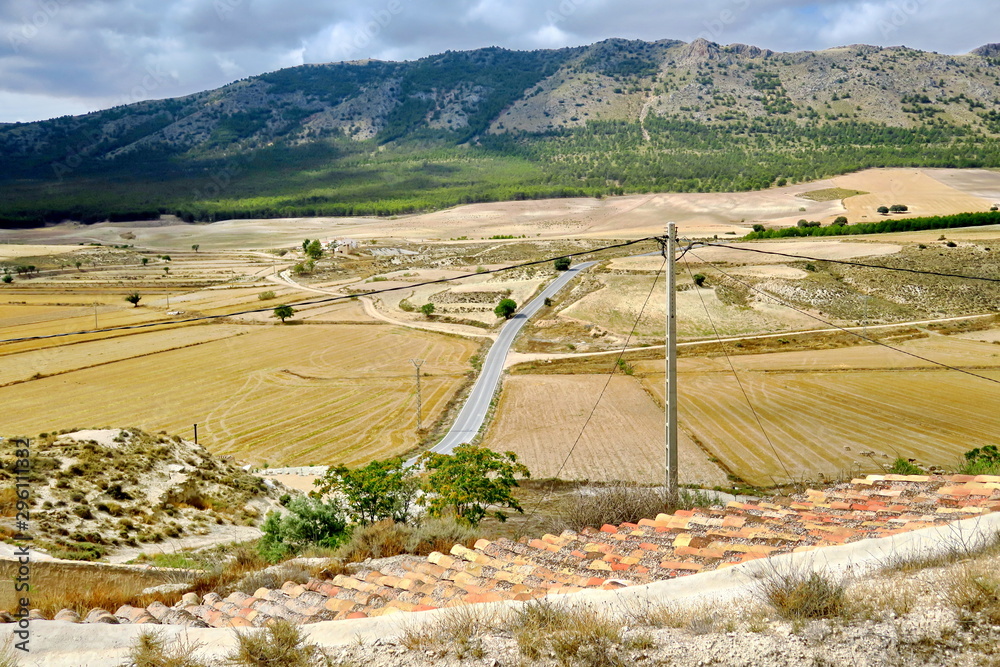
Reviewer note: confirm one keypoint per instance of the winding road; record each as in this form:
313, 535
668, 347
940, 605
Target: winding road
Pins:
477, 405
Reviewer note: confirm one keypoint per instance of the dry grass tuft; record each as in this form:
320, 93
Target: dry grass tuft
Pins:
571, 635
799, 593
459, 629
150, 649
621, 503
385, 538
975, 594
282, 644
99, 596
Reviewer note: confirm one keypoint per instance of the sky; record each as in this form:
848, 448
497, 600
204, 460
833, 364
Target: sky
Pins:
60, 57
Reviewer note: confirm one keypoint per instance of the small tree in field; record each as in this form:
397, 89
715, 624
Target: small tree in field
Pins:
283, 313
699, 279
195, 247
562, 264
899, 208
884, 210
427, 309
134, 298
505, 308
380, 490
840, 221
469, 480
8, 279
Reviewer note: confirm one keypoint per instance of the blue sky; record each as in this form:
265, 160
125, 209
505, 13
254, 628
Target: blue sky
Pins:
61, 57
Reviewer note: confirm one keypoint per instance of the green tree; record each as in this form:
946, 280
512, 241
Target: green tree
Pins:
145, 261
283, 313
195, 247
505, 308
466, 482
884, 210
315, 249
8, 279
758, 228
134, 298
699, 279
305, 246
309, 521
899, 208
562, 264
841, 220
380, 490
427, 309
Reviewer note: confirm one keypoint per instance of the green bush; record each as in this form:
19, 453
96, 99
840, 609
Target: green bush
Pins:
902, 466
981, 461
309, 522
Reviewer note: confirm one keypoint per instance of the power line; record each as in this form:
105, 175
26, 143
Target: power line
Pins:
858, 264
331, 299
844, 329
746, 396
607, 383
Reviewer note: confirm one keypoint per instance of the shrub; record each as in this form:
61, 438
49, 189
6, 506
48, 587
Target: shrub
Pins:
427, 309
266, 296
309, 521
562, 264
699, 279
981, 461
903, 466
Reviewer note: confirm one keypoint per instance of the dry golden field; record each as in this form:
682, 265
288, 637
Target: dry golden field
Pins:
307, 394
540, 417
823, 409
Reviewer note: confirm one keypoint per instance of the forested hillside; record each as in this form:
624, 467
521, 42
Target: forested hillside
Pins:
617, 117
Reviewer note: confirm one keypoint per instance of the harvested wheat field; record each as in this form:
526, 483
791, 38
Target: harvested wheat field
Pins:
308, 394
924, 191
822, 410
540, 417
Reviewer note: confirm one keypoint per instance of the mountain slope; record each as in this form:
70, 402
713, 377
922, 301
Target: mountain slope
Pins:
618, 116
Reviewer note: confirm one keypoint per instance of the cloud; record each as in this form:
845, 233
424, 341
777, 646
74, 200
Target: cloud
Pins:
61, 56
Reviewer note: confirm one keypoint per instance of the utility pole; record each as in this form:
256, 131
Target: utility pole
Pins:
95, 316
670, 376
417, 363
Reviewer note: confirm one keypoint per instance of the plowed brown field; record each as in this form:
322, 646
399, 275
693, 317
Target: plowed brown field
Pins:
540, 417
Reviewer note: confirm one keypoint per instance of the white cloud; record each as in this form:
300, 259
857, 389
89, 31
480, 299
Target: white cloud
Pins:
86, 52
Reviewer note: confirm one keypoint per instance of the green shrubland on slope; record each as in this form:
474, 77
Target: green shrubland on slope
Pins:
385, 138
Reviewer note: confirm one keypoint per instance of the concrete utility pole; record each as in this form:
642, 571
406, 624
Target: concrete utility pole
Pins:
670, 377
417, 363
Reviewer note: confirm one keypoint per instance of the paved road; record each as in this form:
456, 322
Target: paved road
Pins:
473, 413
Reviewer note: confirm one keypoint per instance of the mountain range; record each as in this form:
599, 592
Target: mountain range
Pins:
384, 138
